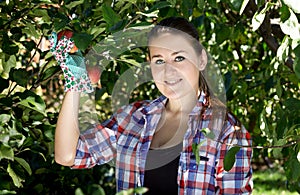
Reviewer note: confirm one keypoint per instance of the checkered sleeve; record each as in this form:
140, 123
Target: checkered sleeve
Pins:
238, 180
97, 145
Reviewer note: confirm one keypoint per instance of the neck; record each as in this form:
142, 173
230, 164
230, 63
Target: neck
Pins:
183, 105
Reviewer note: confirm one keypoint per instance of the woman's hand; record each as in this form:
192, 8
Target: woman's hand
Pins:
72, 65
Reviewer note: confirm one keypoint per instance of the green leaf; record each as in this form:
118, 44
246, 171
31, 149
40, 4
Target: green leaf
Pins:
4, 118
284, 13
6, 152
29, 45
277, 151
24, 164
131, 61
43, 13
34, 103
74, 4
16, 179
158, 5
208, 133
229, 158
283, 49
10, 48
6, 66
293, 171
82, 40
49, 72
222, 34
31, 30
110, 17
126, 192
236, 4
140, 190
7, 192
20, 76
296, 67
195, 150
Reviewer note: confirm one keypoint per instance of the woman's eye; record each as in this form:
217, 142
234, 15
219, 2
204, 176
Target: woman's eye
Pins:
179, 58
159, 62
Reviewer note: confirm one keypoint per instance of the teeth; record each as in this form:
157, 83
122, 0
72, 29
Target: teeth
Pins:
172, 82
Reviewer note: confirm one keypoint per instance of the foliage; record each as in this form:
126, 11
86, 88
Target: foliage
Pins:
264, 180
255, 43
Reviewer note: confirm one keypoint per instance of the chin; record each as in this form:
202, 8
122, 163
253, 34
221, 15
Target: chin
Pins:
172, 94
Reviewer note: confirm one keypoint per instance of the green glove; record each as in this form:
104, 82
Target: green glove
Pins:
73, 66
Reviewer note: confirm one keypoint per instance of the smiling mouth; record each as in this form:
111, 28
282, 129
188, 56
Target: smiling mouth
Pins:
173, 82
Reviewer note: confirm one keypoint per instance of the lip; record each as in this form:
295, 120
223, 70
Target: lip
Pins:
172, 82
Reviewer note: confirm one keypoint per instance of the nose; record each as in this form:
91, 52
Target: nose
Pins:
170, 69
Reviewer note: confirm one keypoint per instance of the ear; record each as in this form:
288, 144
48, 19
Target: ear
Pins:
202, 60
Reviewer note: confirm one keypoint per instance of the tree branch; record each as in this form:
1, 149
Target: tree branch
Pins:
267, 31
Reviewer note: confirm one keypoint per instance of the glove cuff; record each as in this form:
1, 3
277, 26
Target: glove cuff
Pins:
75, 83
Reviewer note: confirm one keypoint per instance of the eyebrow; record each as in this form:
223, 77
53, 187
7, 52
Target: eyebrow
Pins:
174, 53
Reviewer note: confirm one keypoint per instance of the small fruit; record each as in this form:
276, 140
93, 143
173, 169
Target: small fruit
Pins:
68, 34
94, 73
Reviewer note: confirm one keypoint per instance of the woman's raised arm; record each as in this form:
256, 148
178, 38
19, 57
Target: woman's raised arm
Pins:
67, 130
76, 81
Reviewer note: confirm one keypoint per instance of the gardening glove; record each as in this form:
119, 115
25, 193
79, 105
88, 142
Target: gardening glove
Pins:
72, 65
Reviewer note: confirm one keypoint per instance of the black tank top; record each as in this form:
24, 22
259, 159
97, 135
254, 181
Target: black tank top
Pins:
161, 171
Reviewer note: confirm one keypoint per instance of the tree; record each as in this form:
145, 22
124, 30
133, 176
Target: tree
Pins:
255, 44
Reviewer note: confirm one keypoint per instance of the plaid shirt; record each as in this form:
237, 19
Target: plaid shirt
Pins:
127, 135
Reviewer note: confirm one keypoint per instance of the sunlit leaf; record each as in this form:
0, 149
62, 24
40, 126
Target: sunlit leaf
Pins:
126, 192
140, 190
16, 179
244, 4
34, 104
283, 49
293, 4
4, 118
291, 26
6, 152
259, 17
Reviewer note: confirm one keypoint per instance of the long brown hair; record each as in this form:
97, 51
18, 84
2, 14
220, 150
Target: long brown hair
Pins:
183, 27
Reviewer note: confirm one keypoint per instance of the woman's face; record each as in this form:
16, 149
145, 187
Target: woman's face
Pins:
175, 65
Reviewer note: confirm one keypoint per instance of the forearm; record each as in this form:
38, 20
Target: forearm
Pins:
67, 130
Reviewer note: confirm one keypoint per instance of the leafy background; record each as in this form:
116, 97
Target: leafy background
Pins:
255, 43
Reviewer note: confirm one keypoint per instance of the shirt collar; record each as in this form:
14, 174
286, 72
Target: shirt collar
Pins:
203, 101
156, 106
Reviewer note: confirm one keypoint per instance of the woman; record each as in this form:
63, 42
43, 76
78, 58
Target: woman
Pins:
138, 133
